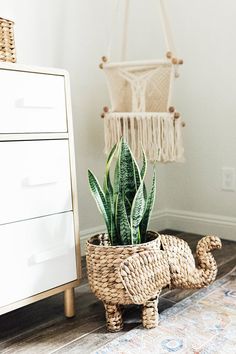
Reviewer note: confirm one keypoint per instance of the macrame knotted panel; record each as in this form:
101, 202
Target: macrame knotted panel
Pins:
159, 134
139, 88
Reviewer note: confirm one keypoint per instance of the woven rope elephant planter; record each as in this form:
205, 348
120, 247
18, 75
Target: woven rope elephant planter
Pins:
121, 275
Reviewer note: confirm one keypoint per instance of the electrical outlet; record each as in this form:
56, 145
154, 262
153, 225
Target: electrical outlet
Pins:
228, 179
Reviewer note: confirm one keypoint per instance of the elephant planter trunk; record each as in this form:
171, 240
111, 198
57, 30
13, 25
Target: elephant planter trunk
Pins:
121, 275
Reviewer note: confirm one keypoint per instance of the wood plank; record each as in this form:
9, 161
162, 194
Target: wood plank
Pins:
96, 339
52, 334
50, 310
92, 341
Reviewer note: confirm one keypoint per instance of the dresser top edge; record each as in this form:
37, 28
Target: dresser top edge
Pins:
33, 69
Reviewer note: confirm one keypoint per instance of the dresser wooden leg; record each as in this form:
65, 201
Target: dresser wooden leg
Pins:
69, 302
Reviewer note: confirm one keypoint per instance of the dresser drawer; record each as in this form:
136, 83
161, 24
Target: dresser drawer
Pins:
35, 256
34, 179
32, 102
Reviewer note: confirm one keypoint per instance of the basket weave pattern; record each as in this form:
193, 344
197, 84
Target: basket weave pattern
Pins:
7, 43
184, 273
103, 267
120, 275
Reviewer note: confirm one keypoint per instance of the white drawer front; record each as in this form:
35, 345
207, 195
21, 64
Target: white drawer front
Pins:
34, 179
36, 255
31, 102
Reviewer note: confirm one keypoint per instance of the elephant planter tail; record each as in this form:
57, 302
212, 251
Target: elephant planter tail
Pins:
120, 275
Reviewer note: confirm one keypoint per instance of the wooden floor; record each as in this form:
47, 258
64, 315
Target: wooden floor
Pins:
42, 327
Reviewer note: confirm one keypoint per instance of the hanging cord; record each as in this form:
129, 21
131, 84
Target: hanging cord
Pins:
125, 31
171, 50
112, 27
167, 29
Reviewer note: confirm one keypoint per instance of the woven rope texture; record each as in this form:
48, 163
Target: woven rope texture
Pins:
7, 43
120, 275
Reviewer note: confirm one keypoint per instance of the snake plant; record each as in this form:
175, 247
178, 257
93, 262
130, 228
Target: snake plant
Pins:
124, 203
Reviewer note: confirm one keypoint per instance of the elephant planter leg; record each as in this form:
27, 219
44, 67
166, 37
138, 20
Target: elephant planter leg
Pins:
150, 313
113, 317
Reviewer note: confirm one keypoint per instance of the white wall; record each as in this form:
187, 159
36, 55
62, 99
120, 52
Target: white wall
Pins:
206, 96
73, 34
205, 31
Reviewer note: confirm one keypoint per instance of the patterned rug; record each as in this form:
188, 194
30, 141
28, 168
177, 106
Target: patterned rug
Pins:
204, 323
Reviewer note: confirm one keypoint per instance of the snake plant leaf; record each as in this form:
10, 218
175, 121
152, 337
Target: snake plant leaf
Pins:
113, 232
100, 199
144, 166
107, 181
107, 185
137, 211
122, 221
130, 178
144, 192
148, 209
117, 185
110, 206
128, 206
116, 215
111, 155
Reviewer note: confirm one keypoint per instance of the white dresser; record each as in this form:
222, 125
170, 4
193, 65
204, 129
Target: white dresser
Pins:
39, 231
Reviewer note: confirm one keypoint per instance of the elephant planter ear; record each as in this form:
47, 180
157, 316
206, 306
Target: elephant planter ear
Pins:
144, 274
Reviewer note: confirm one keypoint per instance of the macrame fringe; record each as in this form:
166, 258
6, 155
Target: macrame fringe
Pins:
159, 134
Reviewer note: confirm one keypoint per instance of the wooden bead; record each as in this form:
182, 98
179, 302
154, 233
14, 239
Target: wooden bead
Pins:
171, 109
176, 115
102, 115
104, 58
180, 62
183, 124
101, 65
174, 61
106, 109
169, 55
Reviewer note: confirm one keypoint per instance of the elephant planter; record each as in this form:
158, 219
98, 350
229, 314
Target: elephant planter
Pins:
121, 275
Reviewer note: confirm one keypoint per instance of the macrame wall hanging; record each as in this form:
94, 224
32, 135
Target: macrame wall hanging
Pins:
140, 94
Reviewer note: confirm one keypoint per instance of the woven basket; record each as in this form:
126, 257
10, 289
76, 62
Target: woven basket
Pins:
7, 43
120, 275
103, 267
103, 264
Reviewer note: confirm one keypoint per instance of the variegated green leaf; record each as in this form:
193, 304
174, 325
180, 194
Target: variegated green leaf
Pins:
100, 199
129, 171
144, 192
122, 221
137, 211
128, 206
108, 189
116, 184
148, 208
113, 233
107, 182
116, 214
144, 167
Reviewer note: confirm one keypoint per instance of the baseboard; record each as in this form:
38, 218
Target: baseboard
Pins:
199, 223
